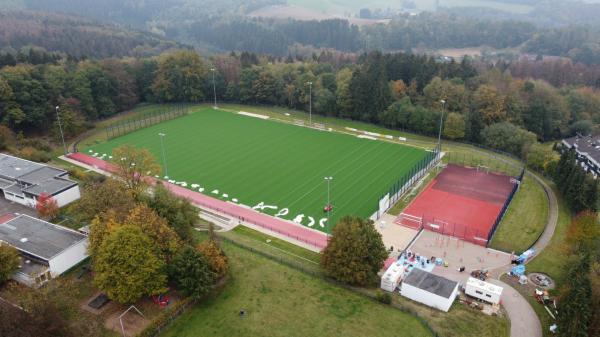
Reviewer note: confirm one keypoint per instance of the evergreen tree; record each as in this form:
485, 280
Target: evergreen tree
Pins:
575, 301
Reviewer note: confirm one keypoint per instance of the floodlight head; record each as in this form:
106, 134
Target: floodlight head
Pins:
443, 101
57, 107
161, 134
212, 69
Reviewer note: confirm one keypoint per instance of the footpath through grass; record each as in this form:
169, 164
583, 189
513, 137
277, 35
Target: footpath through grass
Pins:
525, 219
280, 301
254, 161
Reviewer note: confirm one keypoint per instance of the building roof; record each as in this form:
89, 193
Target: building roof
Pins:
429, 282
20, 176
13, 167
42, 174
586, 145
37, 237
50, 187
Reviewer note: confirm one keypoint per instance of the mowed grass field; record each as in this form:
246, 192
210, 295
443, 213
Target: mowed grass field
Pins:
282, 166
281, 301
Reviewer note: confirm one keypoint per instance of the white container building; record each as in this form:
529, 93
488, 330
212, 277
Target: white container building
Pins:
483, 290
392, 277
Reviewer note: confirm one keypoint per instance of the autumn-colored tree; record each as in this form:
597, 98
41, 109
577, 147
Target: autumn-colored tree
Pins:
355, 252
490, 103
398, 89
46, 206
157, 228
214, 254
128, 266
9, 262
133, 167
99, 197
180, 77
583, 235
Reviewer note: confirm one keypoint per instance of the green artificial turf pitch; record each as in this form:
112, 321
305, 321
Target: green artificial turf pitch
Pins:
282, 165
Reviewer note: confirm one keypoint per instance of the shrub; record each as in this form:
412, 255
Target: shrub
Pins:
384, 297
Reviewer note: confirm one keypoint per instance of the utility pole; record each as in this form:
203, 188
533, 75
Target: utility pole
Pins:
310, 102
162, 146
62, 136
214, 87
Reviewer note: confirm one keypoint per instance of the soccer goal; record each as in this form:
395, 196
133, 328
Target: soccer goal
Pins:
411, 221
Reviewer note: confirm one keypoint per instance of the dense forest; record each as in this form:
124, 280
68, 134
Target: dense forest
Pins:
75, 36
224, 26
483, 105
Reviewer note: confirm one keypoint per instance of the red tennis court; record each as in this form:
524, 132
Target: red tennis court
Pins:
461, 202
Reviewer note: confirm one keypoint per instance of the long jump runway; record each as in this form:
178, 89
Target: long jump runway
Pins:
461, 202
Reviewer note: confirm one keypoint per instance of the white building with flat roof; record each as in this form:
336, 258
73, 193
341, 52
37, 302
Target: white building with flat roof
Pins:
430, 289
47, 250
23, 181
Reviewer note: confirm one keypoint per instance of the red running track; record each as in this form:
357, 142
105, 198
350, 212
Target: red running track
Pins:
461, 202
297, 232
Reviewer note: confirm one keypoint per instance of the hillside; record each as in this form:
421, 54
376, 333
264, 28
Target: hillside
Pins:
76, 36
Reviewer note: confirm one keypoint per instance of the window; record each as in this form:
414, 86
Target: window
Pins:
488, 295
478, 292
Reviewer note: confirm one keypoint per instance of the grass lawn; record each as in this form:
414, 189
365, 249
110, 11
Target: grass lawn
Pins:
553, 259
526, 216
281, 301
262, 241
283, 165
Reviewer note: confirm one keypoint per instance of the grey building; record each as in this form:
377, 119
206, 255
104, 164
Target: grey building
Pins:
588, 152
23, 181
47, 250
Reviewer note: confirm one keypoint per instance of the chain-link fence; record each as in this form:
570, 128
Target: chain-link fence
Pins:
159, 115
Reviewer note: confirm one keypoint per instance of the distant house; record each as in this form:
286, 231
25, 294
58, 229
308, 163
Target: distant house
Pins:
47, 250
430, 289
588, 152
23, 181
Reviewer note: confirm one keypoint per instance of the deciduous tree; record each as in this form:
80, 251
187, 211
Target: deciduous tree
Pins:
134, 166
128, 266
46, 206
9, 262
454, 127
355, 252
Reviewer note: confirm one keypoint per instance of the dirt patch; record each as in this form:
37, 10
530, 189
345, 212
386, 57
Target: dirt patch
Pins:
133, 323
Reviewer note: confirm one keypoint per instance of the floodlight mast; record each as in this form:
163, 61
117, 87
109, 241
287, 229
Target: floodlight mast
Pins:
441, 123
328, 207
62, 136
214, 87
162, 146
310, 102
